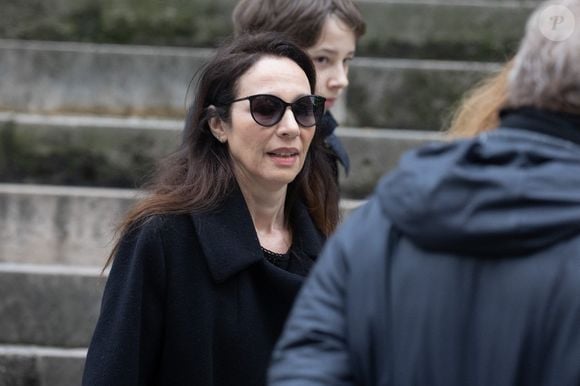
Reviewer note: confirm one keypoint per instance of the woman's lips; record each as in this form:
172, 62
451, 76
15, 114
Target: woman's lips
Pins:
284, 157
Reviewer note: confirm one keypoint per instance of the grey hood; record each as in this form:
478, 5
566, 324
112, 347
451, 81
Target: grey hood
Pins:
506, 192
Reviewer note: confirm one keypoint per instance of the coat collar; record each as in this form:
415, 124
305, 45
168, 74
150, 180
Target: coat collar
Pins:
229, 240
554, 123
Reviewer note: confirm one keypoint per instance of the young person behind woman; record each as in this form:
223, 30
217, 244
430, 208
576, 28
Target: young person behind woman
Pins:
209, 263
328, 31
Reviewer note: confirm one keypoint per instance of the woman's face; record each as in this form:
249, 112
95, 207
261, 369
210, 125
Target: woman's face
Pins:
268, 158
331, 56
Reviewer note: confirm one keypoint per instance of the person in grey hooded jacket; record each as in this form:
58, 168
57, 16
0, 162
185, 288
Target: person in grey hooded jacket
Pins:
463, 268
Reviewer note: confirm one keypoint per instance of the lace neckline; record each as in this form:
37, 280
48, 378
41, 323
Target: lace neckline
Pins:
276, 254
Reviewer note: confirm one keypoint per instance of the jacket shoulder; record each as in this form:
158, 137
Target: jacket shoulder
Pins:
364, 234
152, 240
157, 226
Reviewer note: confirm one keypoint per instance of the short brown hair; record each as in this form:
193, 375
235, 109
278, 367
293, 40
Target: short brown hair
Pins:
299, 20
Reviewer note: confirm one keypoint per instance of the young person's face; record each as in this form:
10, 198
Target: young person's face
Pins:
267, 158
332, 54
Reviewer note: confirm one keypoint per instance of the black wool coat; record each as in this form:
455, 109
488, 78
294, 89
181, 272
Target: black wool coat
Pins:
190, 300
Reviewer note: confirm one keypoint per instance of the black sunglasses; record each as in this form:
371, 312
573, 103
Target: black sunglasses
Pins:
268, 110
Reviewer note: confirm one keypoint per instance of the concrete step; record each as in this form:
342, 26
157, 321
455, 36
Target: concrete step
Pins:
66, 226
119, 152
68, 78
441, 29
22, 365
374, 153
409, 94
58, 224
450, 30
49, 305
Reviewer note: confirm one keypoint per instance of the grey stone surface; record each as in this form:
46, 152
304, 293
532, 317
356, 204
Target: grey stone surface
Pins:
169, 22
40, 366
68, 78
95, 151
408, 94
48, 305
459, 29
375, 153
90, 151
18, 371
66, 226
440, 29
72, 77
61, 370
62, 225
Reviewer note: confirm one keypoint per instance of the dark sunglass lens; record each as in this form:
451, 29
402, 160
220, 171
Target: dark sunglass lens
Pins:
306, 111
266, 110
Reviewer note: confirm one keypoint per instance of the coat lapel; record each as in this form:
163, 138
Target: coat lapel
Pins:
229, 240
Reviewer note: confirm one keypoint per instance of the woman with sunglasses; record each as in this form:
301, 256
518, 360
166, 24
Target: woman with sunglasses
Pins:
328, 31
209, 263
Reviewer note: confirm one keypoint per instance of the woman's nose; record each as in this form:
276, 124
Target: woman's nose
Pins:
288, 126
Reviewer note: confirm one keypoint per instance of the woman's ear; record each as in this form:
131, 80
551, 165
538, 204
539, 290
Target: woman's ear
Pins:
216, 125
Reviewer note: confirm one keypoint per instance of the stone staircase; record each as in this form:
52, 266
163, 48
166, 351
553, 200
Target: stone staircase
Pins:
92, 93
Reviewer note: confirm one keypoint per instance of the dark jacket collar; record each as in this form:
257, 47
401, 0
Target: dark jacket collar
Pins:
558, 124
326, 127
229, 240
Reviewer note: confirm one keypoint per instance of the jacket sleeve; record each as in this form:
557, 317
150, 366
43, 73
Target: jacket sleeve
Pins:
312, 349
127, 339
